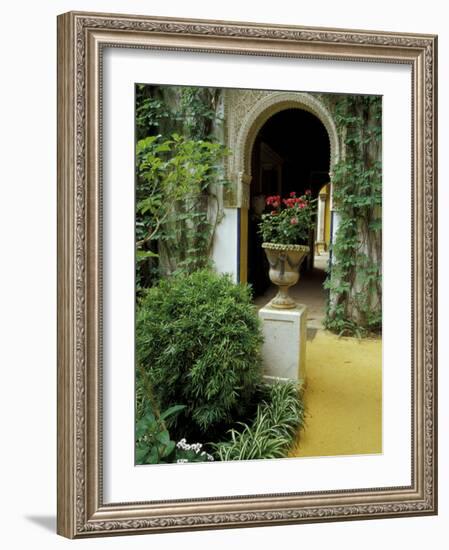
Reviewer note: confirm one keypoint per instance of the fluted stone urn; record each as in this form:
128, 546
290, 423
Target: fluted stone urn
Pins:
285, 261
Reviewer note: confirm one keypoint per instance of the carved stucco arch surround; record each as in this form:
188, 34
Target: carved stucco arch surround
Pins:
256, 117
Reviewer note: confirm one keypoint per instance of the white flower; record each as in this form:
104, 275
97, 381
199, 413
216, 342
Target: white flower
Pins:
181, 444
196, 447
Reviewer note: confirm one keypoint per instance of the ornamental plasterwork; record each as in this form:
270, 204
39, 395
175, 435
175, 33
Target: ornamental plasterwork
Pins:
237, 104
246, 111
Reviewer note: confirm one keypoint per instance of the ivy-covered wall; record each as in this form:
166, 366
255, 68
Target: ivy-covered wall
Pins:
354, 283
180, 169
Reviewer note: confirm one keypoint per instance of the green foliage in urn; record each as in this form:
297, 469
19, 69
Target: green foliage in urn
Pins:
198, 340
290, 219
272, 433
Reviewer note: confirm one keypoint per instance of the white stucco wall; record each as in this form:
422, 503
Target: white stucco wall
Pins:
225, 249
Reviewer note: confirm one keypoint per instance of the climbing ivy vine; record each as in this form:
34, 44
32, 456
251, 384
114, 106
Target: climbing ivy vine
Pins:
179, 165
355, 297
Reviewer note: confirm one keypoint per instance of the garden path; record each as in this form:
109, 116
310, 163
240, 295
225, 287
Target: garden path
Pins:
343, 396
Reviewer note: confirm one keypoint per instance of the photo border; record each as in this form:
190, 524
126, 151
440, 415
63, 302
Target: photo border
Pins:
81, 39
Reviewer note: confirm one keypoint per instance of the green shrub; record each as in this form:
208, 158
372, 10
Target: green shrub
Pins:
272, 433
198, 338
154, 444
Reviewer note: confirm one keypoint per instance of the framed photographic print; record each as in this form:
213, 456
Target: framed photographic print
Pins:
246, 274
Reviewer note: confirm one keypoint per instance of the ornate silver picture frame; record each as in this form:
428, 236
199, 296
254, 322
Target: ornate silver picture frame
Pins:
82, 509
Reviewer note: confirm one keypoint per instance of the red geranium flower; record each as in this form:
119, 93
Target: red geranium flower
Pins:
274, 200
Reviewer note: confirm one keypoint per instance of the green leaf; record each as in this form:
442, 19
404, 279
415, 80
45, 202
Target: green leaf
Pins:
141, 454
171, 411
163, 437
145, 424
144, 254
169, 448
153, 457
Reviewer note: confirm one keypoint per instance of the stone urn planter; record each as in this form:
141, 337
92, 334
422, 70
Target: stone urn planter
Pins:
285, 261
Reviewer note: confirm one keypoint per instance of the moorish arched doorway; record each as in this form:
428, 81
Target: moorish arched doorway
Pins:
291, 153
255, 112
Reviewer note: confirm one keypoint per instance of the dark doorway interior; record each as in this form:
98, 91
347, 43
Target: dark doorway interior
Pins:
291, 153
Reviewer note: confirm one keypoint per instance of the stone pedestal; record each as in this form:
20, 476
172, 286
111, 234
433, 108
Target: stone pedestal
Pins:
284, 348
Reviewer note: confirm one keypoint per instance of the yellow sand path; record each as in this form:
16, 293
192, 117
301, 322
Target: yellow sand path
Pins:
343, 397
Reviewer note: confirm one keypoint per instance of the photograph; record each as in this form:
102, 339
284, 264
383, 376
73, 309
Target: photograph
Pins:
258, 274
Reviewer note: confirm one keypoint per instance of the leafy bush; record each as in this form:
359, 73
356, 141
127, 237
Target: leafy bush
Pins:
176, 208
278, 419
198, 339
154, 445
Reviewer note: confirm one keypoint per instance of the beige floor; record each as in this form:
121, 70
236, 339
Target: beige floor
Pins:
343, 397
